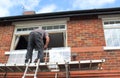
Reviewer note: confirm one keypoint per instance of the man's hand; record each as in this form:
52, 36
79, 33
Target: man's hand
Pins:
45, 46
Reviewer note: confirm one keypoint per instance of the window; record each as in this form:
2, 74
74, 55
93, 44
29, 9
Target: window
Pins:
112, 33
57, 35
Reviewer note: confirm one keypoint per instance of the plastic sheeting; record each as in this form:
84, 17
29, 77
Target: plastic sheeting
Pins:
59, 55
18, 56
62, 54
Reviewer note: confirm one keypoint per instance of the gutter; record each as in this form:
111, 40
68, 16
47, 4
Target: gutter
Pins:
61, 14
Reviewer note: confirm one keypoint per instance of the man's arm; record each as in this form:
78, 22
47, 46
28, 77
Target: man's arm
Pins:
47, 42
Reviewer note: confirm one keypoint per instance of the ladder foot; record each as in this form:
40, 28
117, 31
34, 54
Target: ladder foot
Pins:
35, 77
35, 72
22, 77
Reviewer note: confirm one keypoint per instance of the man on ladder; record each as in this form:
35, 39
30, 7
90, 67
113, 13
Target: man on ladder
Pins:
38, 39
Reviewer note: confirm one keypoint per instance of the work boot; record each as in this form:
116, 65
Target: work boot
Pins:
35, 60
26, 61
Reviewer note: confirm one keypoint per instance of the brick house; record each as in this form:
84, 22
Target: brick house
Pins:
91, 34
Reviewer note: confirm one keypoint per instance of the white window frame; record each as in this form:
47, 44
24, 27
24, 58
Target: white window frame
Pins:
108, 18
39, 23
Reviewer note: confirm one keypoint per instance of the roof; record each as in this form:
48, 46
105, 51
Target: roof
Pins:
103, 11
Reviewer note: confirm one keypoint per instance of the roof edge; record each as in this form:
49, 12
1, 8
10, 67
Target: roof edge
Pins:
62, 14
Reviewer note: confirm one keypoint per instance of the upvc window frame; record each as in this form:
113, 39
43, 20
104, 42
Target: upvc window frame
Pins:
113, 25
40, 24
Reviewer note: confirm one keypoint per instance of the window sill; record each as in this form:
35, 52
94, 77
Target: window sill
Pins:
111, 48
16, 52
21, 52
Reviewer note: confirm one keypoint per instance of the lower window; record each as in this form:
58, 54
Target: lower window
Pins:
56, 40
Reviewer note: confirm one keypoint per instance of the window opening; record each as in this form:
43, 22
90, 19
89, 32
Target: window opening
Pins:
22, 43
57, 35
56, 40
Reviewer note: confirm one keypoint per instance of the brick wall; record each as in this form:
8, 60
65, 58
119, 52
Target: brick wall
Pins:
112, 58
73, 74
6, 33
86, 38
85, 31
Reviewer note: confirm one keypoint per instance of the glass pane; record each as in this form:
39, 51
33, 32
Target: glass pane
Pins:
56, 27
30, 28
44, 28
112, 37
24, 29
106, 23
18, 29
49, 27
117, 22
111, 22
62, 26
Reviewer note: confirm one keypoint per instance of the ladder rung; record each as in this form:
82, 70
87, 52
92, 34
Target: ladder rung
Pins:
29, 74
28, 66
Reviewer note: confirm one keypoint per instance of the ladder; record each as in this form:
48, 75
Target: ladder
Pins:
28, 66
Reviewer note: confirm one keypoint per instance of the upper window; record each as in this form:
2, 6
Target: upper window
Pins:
55, 27
57, 35
112, 32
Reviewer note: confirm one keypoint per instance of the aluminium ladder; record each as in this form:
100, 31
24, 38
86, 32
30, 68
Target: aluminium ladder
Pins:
28, 66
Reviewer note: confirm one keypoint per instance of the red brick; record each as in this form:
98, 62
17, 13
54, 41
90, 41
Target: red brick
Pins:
85, 36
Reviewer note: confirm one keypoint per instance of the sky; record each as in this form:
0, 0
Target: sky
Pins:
17, 7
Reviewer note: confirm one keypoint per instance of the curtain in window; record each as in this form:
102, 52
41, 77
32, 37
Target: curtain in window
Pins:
112, 37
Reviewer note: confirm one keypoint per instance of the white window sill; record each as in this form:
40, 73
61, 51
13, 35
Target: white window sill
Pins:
111, 48
21, 52
16, 52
